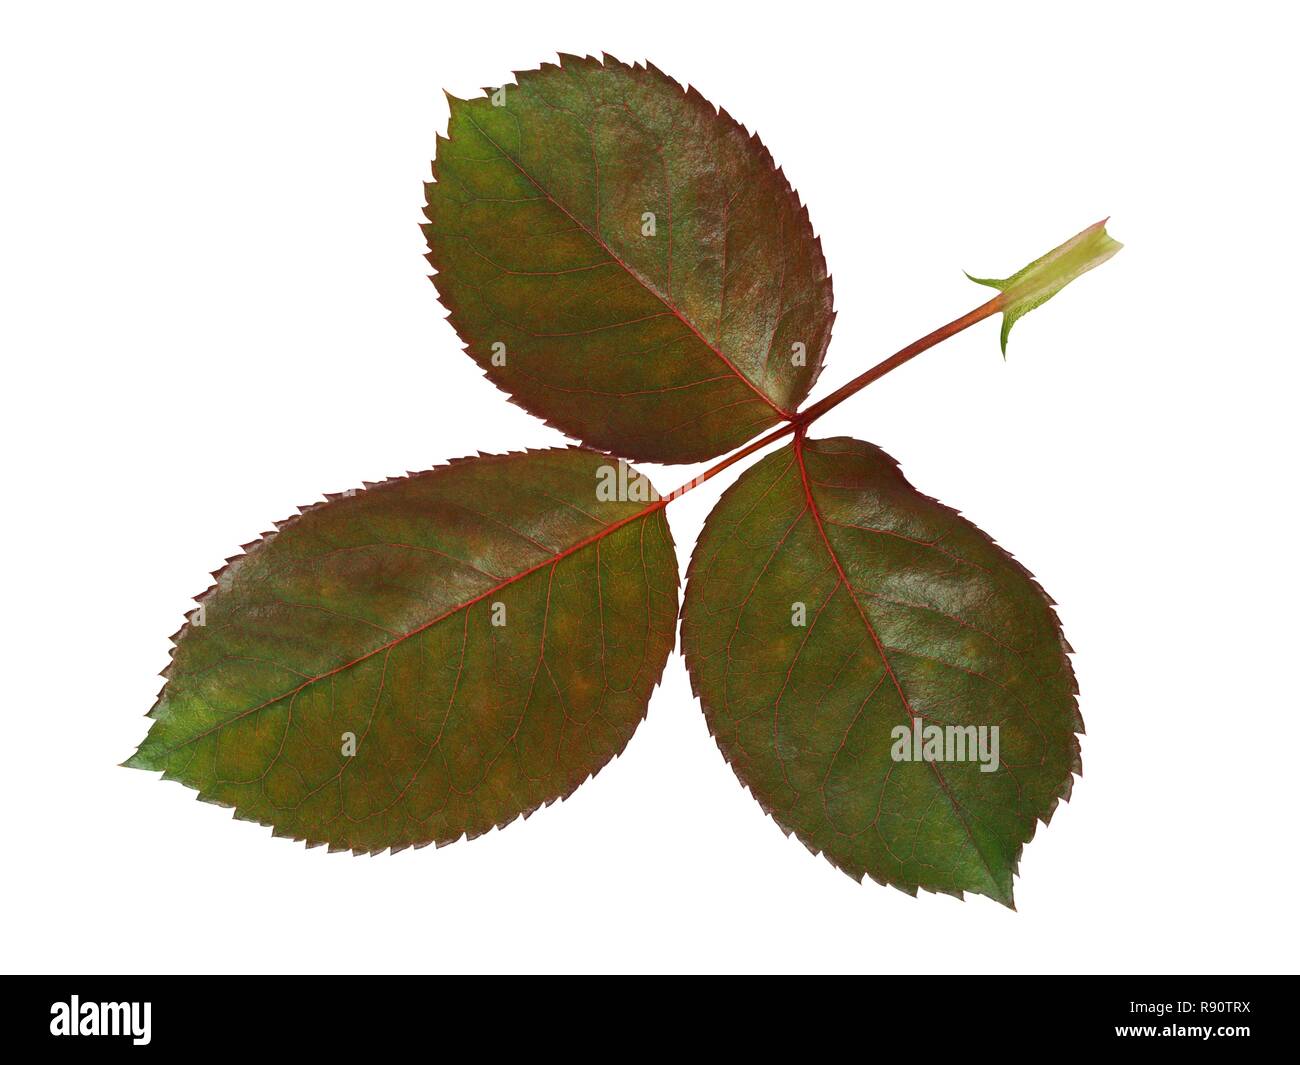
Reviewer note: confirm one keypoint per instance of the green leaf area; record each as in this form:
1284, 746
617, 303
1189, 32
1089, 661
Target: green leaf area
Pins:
626, 261
427, 658
832, 609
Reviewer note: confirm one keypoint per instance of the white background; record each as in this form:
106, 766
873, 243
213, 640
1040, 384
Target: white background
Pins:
216, 309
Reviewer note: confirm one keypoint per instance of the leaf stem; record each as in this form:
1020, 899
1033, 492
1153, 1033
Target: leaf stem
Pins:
801, 420
735, 456
811, 414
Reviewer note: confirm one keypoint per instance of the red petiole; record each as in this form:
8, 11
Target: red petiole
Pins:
799, 422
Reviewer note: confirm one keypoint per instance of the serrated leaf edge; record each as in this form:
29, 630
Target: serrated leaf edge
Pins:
689, 91
330, 497
1063, 794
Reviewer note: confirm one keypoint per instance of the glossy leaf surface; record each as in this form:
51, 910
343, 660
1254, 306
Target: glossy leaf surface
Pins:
829, 604
627, 262
430, 657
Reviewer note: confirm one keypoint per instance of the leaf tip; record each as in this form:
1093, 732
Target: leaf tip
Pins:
140, 760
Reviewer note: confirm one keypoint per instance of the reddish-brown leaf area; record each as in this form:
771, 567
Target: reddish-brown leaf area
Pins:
425, 659
831, 604
626, 261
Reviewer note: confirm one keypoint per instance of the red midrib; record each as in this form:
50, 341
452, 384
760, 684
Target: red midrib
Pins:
880, 647
636, 276
553, 560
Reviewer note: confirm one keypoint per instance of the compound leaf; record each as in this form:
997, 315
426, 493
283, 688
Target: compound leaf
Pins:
427, 658
626, 261
835, 620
